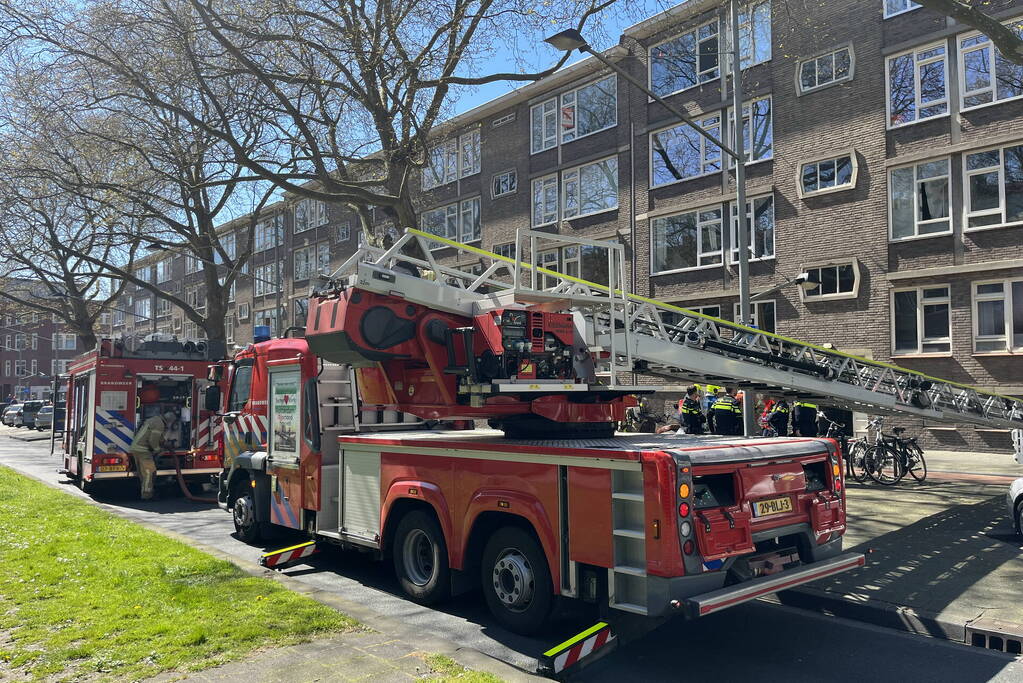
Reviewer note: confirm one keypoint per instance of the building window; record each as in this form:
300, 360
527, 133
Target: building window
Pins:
762, 314
673, 319
505, 183
893, 7
311, 261
828, 175
163, 308
344, 232
998, 316
191, 265
584, 111
920, 320
269, 233
761, 146
680, 153
35, 341
7, 368
829, 69
266, 279
301, 311
309, 214
917, 85
243, 311
228, 245
459, 221
590, 188
19, 368
501, 120
994, 187
755, 34
164, 270
196, 299
919, 199
840, 280
145, 273
587, 262
453, 159
65, 341
270, 317
506, 250
118, 317
229, 329
143, 308
985, 75
760, 214
545, 200
686, 60
686, 240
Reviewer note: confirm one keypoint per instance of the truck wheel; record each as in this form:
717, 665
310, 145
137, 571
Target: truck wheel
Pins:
244, 516
85, 486
421, 558
517, 581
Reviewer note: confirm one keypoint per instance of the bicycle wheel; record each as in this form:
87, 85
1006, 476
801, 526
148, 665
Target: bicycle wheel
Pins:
855, 461
916, 465
883, 465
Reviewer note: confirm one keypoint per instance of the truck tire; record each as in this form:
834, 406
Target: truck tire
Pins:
243, 513
517, 581
85, 486
421, 558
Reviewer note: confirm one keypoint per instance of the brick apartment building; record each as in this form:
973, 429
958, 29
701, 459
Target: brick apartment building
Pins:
34, 348
886, 160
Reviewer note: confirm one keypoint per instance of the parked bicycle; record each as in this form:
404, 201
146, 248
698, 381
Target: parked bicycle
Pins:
887, 458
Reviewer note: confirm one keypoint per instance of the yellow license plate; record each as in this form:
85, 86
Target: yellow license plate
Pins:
111, 468
772, 506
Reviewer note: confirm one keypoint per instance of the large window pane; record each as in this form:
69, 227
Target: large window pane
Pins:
685, 61
675, 242
991, 318
1017, 314
906, 339
679, 153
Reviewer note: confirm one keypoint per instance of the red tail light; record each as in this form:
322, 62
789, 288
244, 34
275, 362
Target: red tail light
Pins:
687, 547
110, 460
683, 510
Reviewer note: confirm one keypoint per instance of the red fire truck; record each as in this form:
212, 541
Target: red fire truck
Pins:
114, 388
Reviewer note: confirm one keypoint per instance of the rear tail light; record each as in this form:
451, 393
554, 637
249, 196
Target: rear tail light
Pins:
683, 510
687, 547
684, 500
110, 460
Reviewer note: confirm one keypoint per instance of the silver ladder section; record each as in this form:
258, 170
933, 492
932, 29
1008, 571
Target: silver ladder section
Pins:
626, 580
665, 341
341, 409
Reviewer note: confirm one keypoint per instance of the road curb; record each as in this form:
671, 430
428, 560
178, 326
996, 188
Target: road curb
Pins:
876, 612
465, 656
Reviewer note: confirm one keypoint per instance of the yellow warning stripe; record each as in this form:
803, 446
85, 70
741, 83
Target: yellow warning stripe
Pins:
294, 547
575, 639
679, 309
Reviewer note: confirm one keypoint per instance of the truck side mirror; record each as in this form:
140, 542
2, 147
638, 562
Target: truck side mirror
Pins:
212, 399
215, 373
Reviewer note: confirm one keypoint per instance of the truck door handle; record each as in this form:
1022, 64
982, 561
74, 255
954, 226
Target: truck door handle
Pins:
728, 516
706, 522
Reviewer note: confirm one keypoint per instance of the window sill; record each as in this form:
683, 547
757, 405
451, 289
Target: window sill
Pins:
830, 297
996, 226
820, 193
930, 235
942, 429
905, 11
966, 110
922, 355
800, 92
899, 126
684, 270
684, 180
989, 430
587, 215
996, 354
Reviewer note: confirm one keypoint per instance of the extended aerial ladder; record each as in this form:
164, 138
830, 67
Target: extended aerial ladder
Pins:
635, 334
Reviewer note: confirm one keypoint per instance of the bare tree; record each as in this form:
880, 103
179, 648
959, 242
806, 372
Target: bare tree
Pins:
1008, 39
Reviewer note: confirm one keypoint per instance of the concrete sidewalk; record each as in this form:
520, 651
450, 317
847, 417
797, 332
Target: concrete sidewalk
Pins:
942, 556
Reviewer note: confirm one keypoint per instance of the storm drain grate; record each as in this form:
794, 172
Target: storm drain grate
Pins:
992, 635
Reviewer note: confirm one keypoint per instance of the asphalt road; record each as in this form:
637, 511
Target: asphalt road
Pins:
757, 641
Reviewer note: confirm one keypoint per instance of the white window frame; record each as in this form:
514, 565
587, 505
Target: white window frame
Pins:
745, 22
910, 6
1005, 296
754, 311
511, 173
543, 183
1002, 206
501, 120
455, 222
313, 213
574, 175
243, 311
699, 74
984, 44
854, 158
506, 249
699, 240
733, 235
164, 270
916, 199
457, 161
344, 232
920, 339
266, 278
811, 296
20, 368
708, 122
191, 265
917, 103
163, 307
733, 130
268, 234
833, 54
569, 100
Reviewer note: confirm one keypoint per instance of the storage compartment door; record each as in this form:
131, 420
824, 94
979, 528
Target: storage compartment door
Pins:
360, 496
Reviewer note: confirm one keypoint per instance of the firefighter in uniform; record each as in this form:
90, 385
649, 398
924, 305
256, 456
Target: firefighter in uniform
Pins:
804, 418
778, 418
147, 443
690, 412
726, 414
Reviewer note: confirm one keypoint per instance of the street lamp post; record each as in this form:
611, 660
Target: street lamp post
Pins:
571, 39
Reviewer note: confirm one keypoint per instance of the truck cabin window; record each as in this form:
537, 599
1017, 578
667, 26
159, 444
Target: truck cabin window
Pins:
241, 385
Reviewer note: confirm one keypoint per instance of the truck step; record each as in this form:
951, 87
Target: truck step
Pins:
627, 569
278, 559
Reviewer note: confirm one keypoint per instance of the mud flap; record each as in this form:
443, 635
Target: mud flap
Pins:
279, 559
578, 651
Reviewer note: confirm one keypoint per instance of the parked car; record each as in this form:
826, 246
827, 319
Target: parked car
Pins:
28, 415
59, 412
12, 416
44, 418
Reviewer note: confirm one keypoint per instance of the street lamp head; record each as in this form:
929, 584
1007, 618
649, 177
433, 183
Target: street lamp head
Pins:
568, 40
805, 283
153, 246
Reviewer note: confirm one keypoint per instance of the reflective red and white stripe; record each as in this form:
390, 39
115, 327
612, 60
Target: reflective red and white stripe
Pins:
284, 556
583, 649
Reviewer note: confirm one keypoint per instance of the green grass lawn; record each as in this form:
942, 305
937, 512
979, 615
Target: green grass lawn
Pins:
84, 593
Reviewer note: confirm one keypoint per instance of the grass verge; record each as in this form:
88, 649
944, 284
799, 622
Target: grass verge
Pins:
86, 594
447, 669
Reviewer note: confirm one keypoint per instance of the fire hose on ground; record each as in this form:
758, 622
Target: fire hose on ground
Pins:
181, 481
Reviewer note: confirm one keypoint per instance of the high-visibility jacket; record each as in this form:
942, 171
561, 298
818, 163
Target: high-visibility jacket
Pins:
692, 416
726, 413
150, 437
778, 418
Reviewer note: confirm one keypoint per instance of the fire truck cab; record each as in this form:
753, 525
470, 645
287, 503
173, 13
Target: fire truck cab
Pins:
113, 389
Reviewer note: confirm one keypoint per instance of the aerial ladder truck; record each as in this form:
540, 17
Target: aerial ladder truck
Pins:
550, 504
